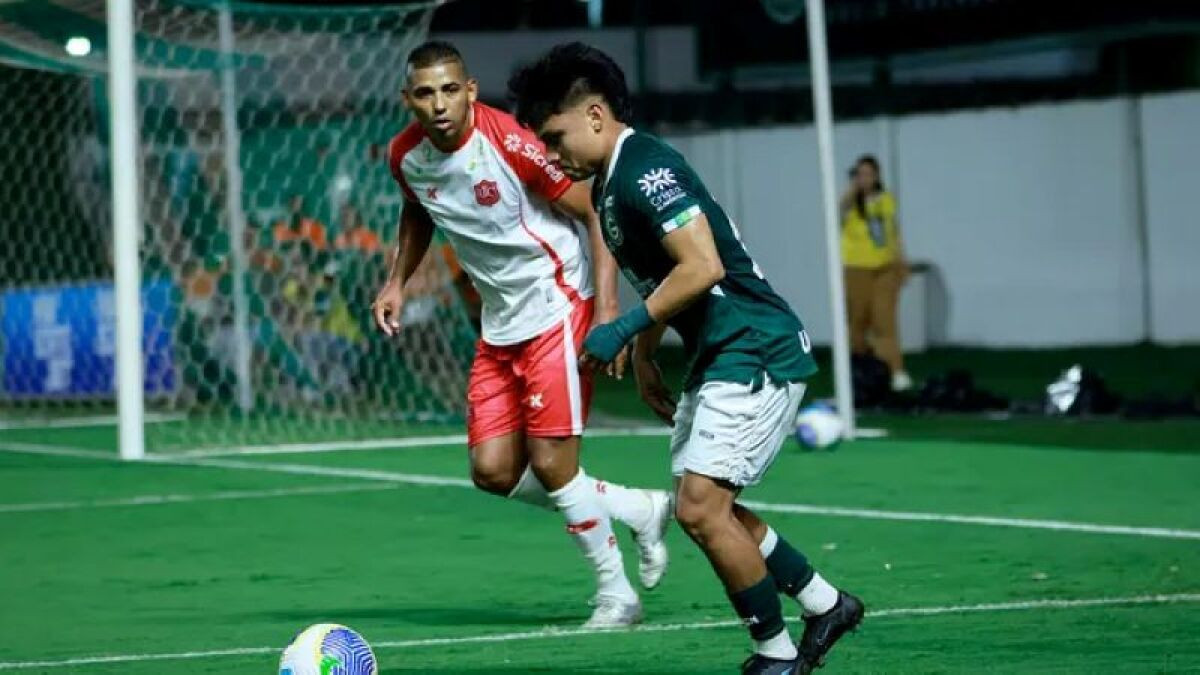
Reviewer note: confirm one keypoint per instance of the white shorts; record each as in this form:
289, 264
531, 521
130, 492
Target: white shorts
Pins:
728, 431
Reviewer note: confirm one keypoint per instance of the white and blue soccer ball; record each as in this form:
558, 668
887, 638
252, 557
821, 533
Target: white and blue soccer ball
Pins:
818, 427
328, 649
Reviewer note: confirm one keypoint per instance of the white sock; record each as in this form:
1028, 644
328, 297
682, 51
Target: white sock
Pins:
779, 647
767, 545
531, 491
818, 596
589, 524
630, 506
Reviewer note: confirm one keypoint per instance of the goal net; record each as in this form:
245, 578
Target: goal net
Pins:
268, 213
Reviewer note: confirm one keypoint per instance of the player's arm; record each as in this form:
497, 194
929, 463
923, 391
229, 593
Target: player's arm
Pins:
576, 202
649, 378
697, 269
412, 242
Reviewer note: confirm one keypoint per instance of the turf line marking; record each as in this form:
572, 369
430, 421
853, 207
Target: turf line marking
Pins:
57, 451
1027, 523
84, 421
384, 443
766, 507
553, 633
421, 442
158, 500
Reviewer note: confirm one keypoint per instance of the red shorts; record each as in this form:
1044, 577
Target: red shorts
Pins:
533, 386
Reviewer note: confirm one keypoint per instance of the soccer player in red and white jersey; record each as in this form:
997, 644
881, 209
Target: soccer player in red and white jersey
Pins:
481, 178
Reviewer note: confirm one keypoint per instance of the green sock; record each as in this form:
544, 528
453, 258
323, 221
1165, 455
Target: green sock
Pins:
788, 566
759, 609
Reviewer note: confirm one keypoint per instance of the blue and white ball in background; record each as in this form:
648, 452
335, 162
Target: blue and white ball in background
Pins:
818, 427
328, 649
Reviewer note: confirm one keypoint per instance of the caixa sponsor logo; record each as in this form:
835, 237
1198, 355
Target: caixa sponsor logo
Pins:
662, 200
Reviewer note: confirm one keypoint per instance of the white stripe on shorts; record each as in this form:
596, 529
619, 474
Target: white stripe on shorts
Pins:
572, 364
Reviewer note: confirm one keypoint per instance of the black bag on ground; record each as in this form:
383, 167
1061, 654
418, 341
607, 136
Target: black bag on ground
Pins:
871, 379
955, 391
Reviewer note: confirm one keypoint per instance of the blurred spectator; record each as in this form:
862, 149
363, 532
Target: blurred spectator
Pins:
355, 236
330, 341
298, 228
875, 268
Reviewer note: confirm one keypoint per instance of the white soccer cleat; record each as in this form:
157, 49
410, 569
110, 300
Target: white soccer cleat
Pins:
652, 549
901, 381
612, 613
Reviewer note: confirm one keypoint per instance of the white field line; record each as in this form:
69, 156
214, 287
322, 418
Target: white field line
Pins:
561, 633
81, 421
420, 442
870, 432
766, 507
331, 446
383, 444
159, 500
1028, 523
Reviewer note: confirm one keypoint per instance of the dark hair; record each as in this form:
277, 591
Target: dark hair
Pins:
432, 53
561, 77
860, 200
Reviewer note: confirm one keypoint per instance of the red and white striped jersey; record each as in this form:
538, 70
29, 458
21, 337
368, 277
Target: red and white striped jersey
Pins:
491, 197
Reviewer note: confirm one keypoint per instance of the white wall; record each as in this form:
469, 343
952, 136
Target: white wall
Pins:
1027, 214
1171, 147
1030, 214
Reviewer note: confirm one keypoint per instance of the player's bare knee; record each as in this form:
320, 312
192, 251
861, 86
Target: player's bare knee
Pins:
554, 461
497, 478
553, 469
696, 518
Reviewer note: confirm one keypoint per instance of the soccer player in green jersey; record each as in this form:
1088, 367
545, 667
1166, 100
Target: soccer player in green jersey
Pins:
749, 354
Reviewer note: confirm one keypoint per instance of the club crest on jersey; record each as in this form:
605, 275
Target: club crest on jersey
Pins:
612, 232
487, 192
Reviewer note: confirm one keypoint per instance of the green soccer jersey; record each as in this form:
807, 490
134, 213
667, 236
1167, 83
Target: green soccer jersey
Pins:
741, 329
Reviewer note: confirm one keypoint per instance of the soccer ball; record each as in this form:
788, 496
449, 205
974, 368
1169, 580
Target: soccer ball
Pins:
328, 649
818, 427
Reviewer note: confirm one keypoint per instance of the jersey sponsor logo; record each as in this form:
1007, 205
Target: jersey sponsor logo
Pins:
431, 193
487, 192
533, 153
661, 187
662, 200
656, 180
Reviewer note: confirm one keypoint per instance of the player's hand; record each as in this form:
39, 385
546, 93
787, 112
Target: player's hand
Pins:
653, 391
615, 369
387, 308
602, 345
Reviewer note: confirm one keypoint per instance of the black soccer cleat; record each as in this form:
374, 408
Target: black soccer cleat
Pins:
758, 664
823, 631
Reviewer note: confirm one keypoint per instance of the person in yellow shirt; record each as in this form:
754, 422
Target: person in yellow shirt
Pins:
874, 267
